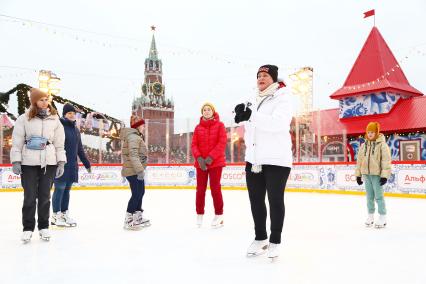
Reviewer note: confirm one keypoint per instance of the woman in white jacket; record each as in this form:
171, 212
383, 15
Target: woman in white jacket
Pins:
38, 156
268, 156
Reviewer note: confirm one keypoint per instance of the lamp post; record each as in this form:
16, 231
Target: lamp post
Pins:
48, 82
302, 88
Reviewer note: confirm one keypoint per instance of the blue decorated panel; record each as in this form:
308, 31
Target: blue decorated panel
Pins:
375, 103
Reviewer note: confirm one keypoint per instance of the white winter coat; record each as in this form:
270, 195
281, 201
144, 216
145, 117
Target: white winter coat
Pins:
267, 132
50, 128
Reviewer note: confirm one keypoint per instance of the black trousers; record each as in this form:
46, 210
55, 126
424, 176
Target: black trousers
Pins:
271, 180
37, 184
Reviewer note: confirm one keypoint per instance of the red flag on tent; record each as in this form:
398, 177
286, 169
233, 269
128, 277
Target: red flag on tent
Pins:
369, 13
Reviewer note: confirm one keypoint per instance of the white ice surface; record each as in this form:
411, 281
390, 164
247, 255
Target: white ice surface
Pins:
324, 241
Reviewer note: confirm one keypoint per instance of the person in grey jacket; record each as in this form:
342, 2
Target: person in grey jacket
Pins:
38, 156
268, 156
134, 155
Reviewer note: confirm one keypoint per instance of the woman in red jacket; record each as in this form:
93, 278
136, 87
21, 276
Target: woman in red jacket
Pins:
208, 149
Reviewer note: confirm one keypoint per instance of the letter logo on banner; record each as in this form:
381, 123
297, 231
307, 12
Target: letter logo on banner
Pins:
168, 175
234, 176
9, 179
345, 178
412, 179
101, 176
308, 177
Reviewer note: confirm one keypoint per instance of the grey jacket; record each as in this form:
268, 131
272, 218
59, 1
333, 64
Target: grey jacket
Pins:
133, 151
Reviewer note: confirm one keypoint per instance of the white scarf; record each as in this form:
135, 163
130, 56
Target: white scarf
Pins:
267, 92
262, 95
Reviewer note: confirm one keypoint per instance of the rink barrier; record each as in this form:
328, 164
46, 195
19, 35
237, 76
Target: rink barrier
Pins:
303, 190
407, 179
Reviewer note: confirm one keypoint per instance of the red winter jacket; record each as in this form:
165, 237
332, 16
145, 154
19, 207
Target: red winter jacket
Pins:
210, 140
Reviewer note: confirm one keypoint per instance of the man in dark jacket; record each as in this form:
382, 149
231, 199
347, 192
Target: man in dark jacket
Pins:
73, 148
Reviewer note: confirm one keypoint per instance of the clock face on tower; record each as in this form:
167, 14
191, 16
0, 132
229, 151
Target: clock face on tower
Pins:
157, 88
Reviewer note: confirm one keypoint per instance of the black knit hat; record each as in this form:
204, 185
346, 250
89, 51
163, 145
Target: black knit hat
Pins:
272, 70
68, 108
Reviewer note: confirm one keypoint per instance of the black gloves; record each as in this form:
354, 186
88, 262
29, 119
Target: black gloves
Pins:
239, 108
383, 181
242, 113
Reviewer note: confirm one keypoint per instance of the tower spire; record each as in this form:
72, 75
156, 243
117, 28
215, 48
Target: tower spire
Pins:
153, 53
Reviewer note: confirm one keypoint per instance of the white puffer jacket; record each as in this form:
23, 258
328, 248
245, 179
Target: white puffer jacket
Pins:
50, 128
267, 132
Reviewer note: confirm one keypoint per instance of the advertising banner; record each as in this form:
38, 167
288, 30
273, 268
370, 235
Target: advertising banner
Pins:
405, 178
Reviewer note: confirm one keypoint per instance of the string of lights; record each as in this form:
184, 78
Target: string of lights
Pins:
106, 40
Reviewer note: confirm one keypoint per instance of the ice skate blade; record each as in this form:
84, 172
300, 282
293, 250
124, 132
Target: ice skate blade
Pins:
145, 225
136, 228
273, 258
132, 228
380, 226
251, 255
25, 241
369, 225
45, 239
54, 224
220, 225
60, 226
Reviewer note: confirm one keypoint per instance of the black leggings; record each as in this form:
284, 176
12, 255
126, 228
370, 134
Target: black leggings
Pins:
271, 179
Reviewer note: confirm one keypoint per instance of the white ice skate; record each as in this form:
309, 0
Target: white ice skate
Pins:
273, 251
129, 223
44, 234
381, 222
26, 236
70, 222
199, 220
217, 221
58, 219
139, 220
370, 220
257, 248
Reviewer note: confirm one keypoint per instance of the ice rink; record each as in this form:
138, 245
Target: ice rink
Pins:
324, 241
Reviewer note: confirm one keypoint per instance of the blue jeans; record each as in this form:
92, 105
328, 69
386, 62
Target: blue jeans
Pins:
61, 196
138, 190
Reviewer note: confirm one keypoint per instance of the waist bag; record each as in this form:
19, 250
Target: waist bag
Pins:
37, 143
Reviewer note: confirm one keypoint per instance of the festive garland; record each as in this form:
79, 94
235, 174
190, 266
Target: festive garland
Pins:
24, 103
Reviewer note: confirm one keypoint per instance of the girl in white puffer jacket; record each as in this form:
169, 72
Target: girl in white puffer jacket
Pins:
38, 156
